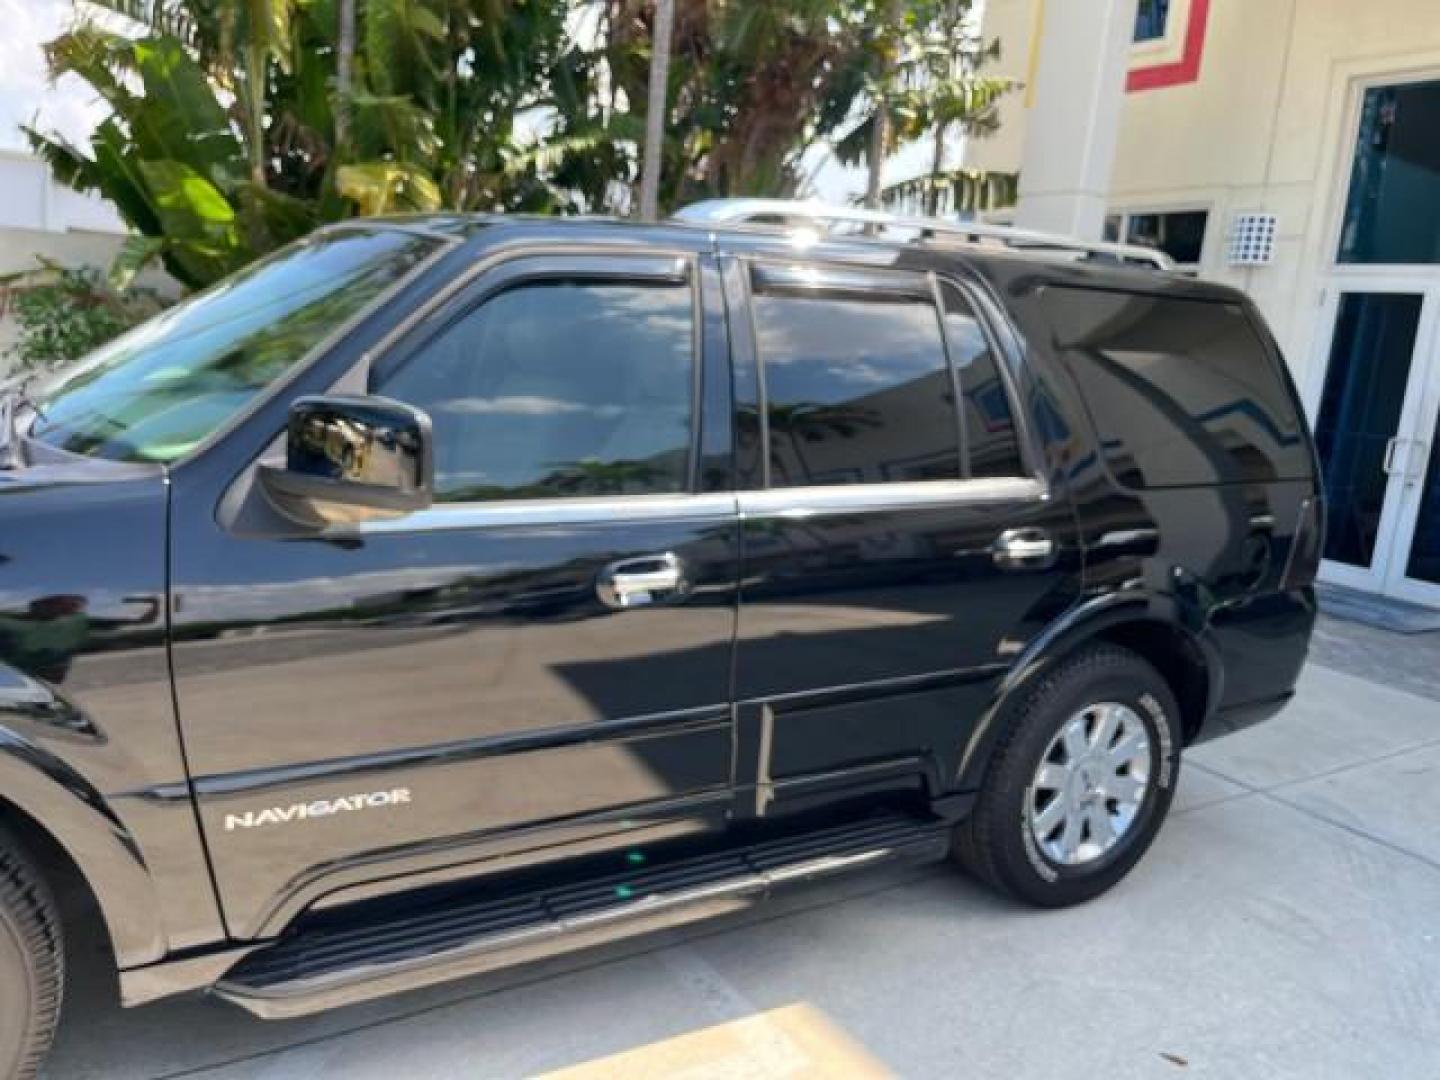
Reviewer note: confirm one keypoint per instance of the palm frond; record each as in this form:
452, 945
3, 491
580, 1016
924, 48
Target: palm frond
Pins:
173, 18
958, 191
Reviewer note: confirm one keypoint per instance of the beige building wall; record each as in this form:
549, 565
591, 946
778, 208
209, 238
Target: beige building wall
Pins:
1268, 125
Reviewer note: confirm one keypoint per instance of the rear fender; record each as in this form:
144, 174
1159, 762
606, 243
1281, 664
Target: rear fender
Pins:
1086, 622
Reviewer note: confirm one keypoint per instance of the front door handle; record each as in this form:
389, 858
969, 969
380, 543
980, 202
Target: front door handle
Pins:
1024, 549
647, 579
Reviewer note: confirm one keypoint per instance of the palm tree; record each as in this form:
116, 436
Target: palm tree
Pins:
888, 37
344, 67
655, 108
951, 91
928, 82
236, 126
751, 86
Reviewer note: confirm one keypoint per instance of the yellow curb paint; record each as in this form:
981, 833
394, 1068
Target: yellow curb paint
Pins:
796, 1042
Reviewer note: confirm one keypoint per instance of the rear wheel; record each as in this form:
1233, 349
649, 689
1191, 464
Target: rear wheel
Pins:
31, 968
1080, 783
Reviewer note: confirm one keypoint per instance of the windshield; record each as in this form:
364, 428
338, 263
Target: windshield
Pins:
159, 390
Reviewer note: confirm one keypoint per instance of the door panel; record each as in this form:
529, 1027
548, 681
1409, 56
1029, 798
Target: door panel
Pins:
1376, 418
1417, 567
878, 609
877, 635
1424, 562
416, 696
1359, 418
474, 668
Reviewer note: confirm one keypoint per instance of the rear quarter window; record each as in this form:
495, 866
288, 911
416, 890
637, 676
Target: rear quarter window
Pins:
1181, 392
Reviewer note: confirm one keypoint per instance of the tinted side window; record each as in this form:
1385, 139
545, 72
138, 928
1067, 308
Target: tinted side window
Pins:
992, 447
857, 387
1181, 391
563, 388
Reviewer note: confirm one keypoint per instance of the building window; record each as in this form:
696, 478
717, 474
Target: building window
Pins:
1178, 233
1392, 214
1151, 18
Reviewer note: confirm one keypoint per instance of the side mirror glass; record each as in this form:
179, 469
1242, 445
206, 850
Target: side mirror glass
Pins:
350, 459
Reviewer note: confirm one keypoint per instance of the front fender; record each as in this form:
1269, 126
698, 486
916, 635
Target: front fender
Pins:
67, 807
1086, 622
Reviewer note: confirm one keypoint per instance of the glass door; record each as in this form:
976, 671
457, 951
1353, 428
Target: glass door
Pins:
1370, 406
1376, 407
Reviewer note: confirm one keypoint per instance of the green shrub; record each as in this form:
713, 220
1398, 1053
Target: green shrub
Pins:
65, 312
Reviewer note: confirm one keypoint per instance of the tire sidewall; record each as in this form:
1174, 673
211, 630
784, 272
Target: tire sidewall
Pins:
18, 987
1125, 680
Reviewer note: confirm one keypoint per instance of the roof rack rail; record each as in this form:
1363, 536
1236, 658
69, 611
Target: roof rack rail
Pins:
791, 213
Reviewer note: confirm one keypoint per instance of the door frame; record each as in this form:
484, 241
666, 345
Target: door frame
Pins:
1415, 464
1421, 410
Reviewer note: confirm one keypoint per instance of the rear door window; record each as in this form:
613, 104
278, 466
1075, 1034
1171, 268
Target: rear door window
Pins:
857, 386
1182, 392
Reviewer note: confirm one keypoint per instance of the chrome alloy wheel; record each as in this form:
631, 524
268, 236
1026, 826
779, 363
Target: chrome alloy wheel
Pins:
1090, 785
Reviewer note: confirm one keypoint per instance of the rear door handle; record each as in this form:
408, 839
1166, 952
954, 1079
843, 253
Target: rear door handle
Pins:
1026, 548
647, 579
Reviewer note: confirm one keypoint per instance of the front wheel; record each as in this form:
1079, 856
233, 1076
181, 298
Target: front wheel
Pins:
31, 968
1080, 782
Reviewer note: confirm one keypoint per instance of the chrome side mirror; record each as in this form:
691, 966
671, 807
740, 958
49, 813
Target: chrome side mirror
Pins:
351, 459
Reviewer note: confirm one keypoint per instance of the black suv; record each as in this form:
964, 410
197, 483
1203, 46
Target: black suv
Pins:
447, 592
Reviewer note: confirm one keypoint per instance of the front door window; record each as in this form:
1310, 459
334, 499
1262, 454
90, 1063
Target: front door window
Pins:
559, 388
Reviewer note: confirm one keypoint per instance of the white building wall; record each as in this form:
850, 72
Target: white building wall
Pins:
39, 217
1268, 125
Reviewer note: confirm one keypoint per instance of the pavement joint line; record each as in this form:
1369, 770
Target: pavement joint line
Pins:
1301, 808
1221, 801
1411, 691
1324, 774
1354, 830
659, 946
1338, 769
1212, 771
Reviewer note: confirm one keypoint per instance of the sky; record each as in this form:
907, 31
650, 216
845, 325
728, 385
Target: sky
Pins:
25, 89
71, 109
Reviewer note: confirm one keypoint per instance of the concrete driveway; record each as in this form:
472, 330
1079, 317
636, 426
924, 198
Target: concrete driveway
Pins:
1287, 923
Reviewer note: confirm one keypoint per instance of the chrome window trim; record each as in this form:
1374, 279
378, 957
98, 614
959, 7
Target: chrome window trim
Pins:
871, 498
587, 510
714, 506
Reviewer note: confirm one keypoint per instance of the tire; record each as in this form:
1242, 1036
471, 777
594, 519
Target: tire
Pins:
1021, 837
31, 964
